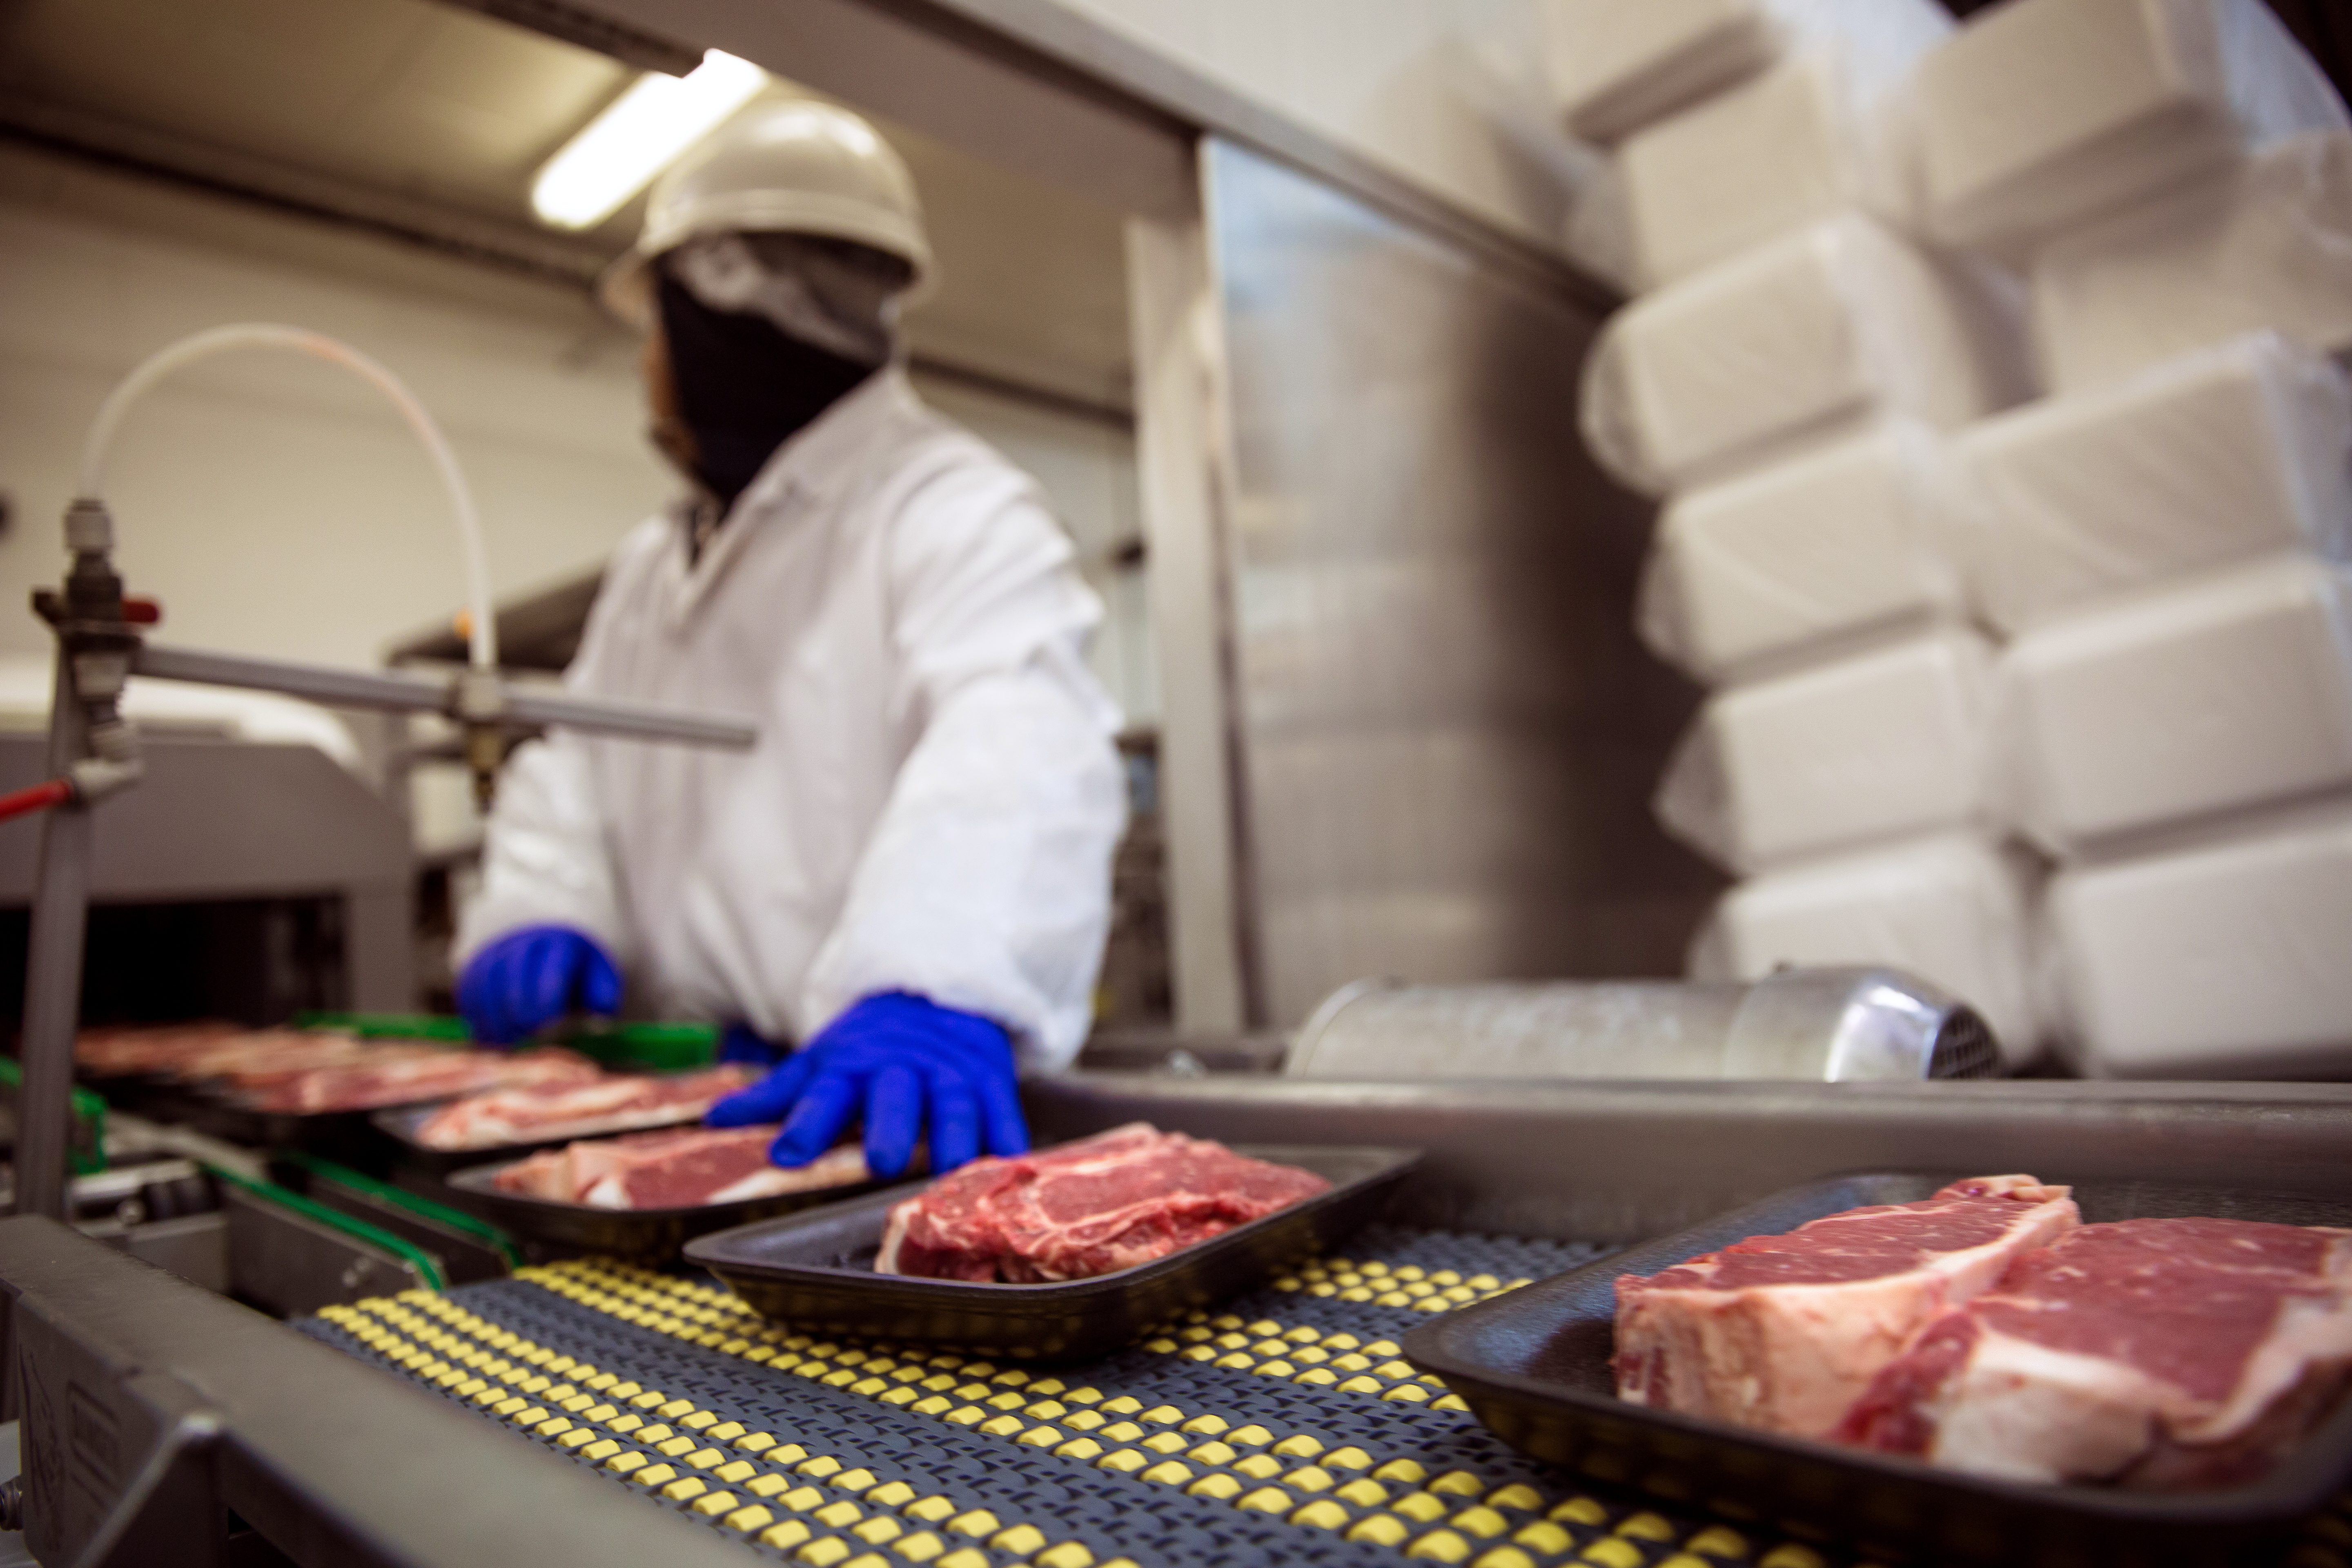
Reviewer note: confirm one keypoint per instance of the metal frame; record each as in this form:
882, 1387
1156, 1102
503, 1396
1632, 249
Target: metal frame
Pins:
94, 752
1042, 87
214, 1406
204, 1407
224, 819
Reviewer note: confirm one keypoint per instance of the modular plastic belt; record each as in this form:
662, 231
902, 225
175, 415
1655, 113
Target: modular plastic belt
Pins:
1282, 1428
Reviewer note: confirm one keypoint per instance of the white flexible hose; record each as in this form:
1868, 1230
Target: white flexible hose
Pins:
482, 636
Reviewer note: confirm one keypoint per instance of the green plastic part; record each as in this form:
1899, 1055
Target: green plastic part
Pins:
87, 1152
648, 1047
639, 1048
387, 1025
441, 1214
428, 1268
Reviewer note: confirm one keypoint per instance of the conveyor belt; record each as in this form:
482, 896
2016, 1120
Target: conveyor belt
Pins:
1283, 1428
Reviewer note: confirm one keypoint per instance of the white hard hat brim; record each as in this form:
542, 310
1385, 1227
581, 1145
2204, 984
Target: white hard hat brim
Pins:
627, 286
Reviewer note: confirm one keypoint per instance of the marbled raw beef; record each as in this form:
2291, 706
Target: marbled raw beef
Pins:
1784, 1333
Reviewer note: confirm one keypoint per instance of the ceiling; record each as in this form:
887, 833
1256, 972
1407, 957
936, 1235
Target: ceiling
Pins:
433, 119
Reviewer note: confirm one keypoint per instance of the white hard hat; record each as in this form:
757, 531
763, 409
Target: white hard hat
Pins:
794, 167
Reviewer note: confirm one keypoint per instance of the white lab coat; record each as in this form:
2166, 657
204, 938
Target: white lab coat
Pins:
934, 797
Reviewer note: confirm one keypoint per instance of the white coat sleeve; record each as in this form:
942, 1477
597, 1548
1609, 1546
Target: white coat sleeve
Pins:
986, 884
546, 856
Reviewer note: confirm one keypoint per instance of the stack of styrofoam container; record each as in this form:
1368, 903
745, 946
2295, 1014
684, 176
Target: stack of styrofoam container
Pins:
2166, 553
2170, 173
1788, 380
2160, 538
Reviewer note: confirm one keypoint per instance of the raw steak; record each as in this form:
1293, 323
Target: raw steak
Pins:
2155, 1353
1109, 1202
615, 1104
147, 1048
404, 1075
1785, 1331
678, 1169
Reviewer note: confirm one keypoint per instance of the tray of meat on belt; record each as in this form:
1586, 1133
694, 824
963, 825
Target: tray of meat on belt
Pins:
1065, 1253
505, 1124
314, 1090
1279, 1425
1981, 1370
643, 1195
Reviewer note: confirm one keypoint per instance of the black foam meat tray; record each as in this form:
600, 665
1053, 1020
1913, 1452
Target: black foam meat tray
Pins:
400, 1123
548, 1226
1534, 1367
815, 1271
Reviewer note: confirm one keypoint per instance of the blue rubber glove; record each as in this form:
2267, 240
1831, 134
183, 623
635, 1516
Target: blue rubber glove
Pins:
527, 979
741, 1044
900, 1061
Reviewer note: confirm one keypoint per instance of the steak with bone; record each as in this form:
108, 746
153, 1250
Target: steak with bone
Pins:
1784, 1333
1110, 1202
680, 1168
620, 1103
2153, 1352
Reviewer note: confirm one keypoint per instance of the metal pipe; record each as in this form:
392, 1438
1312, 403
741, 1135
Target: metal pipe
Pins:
336, 687
401, 692
605, 716
53, 971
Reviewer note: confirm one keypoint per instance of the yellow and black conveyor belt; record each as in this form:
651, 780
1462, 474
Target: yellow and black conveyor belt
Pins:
1283, 1429
589, 1412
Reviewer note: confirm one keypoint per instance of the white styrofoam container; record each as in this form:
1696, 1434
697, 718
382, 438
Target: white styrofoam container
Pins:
1954, 908
2224, 959
2042, 113
2225, 452
1831, 544
1808, 338
2227, 691
1789, 147
1878, 745
1614, 66
2266, 244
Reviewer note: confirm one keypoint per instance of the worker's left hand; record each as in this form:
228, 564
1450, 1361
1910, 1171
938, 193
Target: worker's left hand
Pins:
900, 1061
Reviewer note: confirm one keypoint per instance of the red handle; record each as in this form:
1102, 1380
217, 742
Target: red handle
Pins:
142, 611
41, 797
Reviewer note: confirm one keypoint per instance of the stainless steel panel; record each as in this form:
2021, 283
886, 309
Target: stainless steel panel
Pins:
1618, 1162
292, 1265
217, 819
193, 1247
1446, 733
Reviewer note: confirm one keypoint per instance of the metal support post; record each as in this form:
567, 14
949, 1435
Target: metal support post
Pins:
52, 970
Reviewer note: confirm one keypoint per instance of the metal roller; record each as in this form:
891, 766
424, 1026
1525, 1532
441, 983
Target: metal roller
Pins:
1819, 1024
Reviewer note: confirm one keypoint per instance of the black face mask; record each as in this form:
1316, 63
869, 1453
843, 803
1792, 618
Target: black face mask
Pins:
744, 386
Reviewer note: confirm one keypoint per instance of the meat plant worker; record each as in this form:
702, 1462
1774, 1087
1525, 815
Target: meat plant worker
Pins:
910, 874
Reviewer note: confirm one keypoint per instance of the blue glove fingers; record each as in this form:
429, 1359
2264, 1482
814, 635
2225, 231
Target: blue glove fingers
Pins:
955, 1123
484, 1019
816, 1122
739, 1046
894, 1115
599, 982
1006, 1129
768, 1100
543, 992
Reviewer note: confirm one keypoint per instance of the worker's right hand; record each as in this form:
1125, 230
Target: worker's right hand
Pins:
527, 979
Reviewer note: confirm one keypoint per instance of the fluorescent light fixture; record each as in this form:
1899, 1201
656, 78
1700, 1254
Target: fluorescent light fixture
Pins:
636, 137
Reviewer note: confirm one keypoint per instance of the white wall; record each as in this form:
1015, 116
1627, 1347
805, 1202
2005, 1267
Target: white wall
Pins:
1388, 79
275, 504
